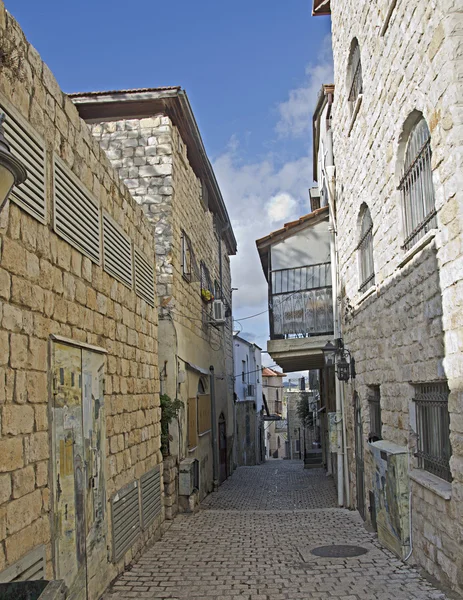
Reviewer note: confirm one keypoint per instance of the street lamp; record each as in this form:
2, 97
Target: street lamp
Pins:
12, 171
336, 355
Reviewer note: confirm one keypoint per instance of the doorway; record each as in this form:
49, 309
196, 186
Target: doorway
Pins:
223, 471
359, 461
78, 449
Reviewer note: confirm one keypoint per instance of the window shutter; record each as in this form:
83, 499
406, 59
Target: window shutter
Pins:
150, 488
117, 252
76, 213
30, 149
125, 519
144, 278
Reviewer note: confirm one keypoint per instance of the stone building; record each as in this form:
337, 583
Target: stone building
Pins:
152, 139
79, 382
249, 407
396, 127
273, 390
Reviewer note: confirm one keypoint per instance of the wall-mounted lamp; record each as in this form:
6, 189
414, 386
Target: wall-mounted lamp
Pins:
336, 355
12, 171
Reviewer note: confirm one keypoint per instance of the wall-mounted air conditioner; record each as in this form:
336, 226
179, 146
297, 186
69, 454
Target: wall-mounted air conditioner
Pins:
391, 494
218, 311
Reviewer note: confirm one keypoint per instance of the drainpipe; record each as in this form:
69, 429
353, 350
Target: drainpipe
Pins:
215, 458
342, 466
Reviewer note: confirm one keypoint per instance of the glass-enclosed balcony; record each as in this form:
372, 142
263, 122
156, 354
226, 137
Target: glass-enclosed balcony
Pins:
300, 302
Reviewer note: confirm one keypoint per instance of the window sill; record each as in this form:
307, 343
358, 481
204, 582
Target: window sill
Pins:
370, 291
431, 482
358, 103
192, 449
420, 244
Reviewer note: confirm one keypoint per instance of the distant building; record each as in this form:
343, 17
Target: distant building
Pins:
275, 431
248, 402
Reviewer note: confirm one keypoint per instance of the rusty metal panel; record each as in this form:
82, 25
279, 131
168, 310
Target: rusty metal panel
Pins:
192, 422
204, 414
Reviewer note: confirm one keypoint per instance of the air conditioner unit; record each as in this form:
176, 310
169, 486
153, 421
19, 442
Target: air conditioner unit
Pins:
218, 311
391, 495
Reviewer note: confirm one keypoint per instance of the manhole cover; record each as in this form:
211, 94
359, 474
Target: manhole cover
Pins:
339, 551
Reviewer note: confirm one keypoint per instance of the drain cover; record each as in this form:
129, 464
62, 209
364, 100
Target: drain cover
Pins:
339, 551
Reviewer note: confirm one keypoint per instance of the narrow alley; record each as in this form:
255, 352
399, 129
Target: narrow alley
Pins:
252, 540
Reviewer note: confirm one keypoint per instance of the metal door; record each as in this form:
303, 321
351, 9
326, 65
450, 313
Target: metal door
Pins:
78, 452
359, 464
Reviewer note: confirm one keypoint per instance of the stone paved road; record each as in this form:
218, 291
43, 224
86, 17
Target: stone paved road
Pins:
252, 539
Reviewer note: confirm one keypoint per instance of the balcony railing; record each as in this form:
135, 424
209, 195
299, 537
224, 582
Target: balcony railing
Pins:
301, 302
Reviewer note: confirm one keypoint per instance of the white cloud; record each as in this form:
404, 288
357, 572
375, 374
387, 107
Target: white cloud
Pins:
262, 195
295, 112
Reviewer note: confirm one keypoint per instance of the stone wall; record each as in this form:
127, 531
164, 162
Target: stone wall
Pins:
410, 329
152, 159
47, 287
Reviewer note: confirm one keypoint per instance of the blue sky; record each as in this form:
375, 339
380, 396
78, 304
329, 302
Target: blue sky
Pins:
252, 70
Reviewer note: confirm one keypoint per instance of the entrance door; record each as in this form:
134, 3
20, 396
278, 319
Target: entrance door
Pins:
78, 453
359, 465
222, 449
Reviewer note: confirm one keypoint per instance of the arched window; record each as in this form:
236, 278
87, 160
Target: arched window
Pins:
355, 81
365, 251
418, 201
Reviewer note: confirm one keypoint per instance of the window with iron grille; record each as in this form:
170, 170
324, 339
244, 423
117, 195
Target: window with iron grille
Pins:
187, 252
416, 186
433, 428
207, 291
355, 74
374, 401
365, 251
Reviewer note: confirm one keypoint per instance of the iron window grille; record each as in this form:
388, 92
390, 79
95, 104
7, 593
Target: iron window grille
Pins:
416, 186
206, 282
189, 265
433, 429
374, 401
365, 250
355, 72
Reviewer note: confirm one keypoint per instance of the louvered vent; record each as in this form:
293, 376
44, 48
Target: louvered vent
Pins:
77, 214
150, 484
117, 252
125, 519
30, 149
29, 568
144, 278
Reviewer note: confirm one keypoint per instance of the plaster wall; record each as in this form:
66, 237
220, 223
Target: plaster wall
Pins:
311, 246
410, 329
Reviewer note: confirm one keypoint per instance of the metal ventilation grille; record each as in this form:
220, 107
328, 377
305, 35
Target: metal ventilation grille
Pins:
29, 568
150, 484
77, 215
125, 519
144, 278
30, 149
117, 252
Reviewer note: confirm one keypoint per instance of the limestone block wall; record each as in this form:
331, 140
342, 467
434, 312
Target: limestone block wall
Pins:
152, 159
410, 329
47, 287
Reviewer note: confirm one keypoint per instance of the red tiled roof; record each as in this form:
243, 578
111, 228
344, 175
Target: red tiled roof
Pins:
266, 372
291, 224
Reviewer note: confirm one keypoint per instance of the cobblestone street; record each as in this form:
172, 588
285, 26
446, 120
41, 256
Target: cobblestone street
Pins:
252, 540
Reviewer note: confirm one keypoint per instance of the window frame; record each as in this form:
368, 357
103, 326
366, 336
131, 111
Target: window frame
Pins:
374, 404
366, 263
187, 270
354, 75
416, 186
432, 416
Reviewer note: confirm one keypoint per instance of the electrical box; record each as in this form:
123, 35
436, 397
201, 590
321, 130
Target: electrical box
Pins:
391, 490
188, 479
